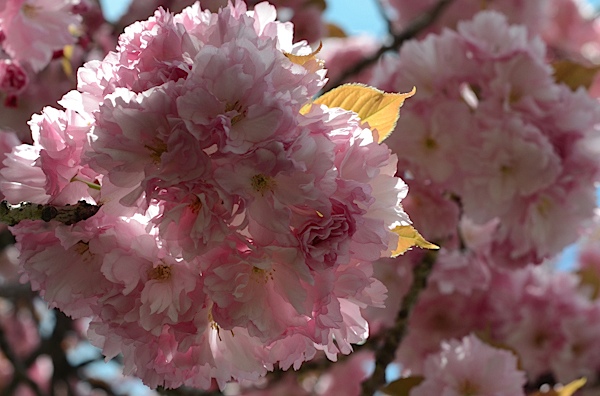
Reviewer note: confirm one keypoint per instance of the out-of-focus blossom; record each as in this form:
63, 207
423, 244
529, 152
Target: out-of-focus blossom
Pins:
34, 29
470, 367
490, 128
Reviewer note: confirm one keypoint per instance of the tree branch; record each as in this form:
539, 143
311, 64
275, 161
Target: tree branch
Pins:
386, 351
420, 23
20, 370
68, 214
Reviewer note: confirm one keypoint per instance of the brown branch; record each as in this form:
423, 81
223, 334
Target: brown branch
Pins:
68, 214
20, 370
418, 25
386, 351
17, 291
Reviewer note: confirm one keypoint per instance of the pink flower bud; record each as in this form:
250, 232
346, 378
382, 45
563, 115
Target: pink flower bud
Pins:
13, 79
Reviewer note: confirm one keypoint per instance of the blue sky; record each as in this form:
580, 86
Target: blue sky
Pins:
354, 16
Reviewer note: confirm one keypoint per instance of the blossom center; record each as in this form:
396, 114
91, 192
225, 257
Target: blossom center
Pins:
156, 150
261, 183
261, 275
430, 143
160, 272
29, 10
467, 388
237, 107
544, 207
196, 205
539, 339
81, 247
506, 170
515, 95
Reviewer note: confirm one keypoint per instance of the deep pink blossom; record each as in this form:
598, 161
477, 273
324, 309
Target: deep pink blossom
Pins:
13, 79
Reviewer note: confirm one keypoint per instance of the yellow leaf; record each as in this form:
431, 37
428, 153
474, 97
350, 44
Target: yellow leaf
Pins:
66, 60
402, 386
486, 337
334, 30
410, 237
377, 108
567, 390
302, 59
572, 387
574, 75
590, 278
320, 4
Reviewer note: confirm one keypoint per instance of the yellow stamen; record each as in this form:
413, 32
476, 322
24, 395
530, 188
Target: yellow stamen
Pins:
241, 113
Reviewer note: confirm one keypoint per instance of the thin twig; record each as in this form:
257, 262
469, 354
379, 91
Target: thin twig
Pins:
184, 391
385, 15
386, 351
420, 23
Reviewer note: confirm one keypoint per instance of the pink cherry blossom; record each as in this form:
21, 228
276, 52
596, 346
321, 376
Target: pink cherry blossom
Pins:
469, 366
235, 232
564, 24
13, 79
34, 29
492, 129
20, 179
341, 53
73, 288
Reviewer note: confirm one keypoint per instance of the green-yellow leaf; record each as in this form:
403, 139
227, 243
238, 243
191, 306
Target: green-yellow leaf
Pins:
409, 237
574, 75
378, 109
402, 386
302, 59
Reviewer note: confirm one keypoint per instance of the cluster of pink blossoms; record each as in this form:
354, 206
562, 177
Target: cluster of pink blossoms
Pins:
550, 320
567, 26
501, 161
470, 367
235, 234
493, 138
33, 29
32, 33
